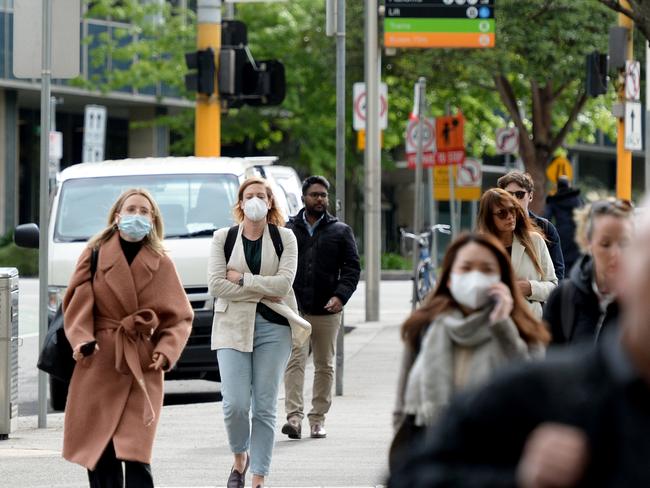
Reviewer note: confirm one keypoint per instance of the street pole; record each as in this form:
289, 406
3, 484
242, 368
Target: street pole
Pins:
647, 121
44, 198
340, 164
417, 203
207, 133
624, 157
372, 164
230, 11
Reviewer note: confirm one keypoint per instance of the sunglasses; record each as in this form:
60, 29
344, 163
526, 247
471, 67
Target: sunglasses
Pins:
503, 213
606, 206
519, 194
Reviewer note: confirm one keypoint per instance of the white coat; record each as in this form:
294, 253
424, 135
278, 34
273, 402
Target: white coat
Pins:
541, 284
233, 325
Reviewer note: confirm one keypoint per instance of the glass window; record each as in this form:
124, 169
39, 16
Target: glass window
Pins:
191, 205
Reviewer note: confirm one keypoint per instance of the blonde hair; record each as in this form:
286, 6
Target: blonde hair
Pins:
153, 240
586, 216
273, 217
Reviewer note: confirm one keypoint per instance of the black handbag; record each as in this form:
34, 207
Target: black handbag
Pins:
56, 356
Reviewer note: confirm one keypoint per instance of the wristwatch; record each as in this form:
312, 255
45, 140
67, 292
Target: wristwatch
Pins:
241, 280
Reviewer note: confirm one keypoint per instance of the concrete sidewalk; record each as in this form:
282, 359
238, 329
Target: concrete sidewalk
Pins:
191, 448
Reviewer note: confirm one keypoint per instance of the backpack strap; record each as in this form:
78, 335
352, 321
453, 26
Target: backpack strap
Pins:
230, 241
232, 237
277, 239
567, 309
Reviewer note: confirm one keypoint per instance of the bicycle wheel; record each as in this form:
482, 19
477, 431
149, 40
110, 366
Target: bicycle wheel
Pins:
425, 281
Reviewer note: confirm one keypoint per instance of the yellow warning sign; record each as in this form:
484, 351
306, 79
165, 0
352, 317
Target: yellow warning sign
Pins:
560, 166
441, 186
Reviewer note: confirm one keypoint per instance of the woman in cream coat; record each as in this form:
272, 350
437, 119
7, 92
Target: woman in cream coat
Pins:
502, 216
255, 319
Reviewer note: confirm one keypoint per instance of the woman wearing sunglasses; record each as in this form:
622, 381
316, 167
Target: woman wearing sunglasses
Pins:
501, 216
585, 306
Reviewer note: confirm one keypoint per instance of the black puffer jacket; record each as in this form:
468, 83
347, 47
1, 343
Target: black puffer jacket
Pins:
588, 323
328, 263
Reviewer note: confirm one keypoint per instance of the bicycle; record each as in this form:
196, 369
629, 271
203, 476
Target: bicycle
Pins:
424, 279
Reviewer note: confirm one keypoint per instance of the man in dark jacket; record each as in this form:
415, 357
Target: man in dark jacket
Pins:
521, 186
327, 275
574, 312
579, 419
560, 207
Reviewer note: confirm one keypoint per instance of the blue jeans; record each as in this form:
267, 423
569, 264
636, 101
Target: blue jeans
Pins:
253, 379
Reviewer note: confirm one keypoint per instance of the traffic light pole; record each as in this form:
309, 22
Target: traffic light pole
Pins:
624, 157
207, 131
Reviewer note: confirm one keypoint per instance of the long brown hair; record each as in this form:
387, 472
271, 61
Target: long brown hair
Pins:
496, 198
153, 240
441, 300
273, 217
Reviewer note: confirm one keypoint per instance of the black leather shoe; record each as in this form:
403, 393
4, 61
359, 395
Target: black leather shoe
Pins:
293, 428
237, 479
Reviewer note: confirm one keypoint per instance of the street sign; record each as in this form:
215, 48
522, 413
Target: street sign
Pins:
439, 23
428, 142
94, 133
441, 190
359, 106
56, 145
450, 139
27, 38
560, 166
633, 140
632, 80
507, 140
470, 174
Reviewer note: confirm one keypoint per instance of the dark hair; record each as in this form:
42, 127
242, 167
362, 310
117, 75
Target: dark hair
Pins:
440, 300
314, 180
496, 197
524, 180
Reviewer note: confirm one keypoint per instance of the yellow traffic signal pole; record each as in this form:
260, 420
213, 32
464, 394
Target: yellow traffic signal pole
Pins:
207, 131
624, 157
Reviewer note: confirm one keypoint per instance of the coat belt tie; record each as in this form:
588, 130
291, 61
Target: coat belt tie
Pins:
132, 330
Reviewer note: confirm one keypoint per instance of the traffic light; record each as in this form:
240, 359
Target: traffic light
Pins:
264, 83
201, 80
596, 74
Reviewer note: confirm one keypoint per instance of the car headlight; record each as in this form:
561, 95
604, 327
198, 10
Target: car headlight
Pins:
55, 297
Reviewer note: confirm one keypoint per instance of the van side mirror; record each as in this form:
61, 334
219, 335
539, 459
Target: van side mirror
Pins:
27, 235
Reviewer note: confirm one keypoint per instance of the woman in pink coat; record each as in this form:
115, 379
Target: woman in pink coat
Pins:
134, 320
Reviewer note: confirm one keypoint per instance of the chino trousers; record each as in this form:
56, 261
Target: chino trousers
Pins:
108, 472
324, 330
253, 379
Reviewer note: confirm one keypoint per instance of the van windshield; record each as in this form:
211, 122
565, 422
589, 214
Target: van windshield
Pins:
191, 205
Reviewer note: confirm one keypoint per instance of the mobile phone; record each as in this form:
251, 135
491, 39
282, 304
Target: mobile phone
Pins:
88, 348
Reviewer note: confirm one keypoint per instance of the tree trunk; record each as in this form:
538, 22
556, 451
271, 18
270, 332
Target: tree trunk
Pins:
536, 147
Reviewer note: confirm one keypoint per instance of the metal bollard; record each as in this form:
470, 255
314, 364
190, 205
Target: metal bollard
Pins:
8, 350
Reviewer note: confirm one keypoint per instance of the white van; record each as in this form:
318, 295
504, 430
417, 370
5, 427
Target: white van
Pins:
195, 195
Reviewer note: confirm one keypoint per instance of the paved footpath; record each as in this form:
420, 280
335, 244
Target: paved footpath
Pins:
191, 448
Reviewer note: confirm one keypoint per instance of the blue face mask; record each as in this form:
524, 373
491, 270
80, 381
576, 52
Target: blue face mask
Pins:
134, 226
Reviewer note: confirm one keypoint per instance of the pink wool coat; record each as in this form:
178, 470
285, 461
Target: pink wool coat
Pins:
131, 312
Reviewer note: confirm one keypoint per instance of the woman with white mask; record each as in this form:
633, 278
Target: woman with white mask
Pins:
474, 322
250, 271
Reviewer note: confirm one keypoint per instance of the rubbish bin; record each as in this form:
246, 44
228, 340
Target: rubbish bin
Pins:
8, 350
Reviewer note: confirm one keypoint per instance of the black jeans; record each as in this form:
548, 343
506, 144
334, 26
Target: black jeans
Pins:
108, 472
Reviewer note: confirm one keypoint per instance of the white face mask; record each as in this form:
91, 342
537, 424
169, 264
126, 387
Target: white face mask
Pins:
471, 289
255, 209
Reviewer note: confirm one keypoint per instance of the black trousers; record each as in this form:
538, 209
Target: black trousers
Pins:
108, 472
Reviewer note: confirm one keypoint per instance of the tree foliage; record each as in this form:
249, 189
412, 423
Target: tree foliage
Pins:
533, 78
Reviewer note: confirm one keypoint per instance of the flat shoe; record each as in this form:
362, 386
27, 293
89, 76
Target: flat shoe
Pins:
318, 432
237, 479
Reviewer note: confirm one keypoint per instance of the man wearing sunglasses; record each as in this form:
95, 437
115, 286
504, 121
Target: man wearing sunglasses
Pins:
520, 185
